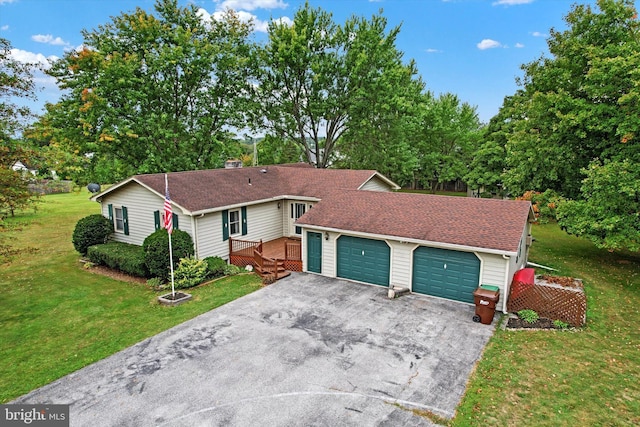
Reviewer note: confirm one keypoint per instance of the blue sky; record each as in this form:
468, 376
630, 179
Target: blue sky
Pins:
473, 48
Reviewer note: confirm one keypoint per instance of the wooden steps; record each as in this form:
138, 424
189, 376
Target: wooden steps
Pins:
269, 267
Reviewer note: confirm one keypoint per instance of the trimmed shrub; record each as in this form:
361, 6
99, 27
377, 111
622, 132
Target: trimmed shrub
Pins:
215, 266
91, 230
156, 251
157, 284
120, 256
190, 272
232, 270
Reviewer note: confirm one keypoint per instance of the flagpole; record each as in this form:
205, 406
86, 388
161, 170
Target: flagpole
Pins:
168, 218
173, 289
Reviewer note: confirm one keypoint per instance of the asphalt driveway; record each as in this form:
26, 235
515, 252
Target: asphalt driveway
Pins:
307, 350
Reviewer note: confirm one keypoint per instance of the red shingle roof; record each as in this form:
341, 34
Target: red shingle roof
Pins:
481, 223
210, 189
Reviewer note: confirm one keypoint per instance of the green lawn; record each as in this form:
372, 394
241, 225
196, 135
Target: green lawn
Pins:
589, 377
58, 317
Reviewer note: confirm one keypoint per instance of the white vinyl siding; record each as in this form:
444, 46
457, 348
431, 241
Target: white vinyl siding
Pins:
401, 263
329, 267
493, 270
141, 205
376, 184
210, 241
264, 221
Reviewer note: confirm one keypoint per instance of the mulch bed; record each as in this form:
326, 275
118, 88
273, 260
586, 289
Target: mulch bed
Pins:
541, 323
117, 275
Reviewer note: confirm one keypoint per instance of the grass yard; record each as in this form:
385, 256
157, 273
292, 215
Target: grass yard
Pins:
557, 378
58, 317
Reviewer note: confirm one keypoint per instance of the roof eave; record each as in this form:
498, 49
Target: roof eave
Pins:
402, 239
127, 181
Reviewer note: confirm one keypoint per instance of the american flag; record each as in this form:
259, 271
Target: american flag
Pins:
168, 214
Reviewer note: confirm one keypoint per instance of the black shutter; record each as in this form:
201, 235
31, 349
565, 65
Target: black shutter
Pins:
156, 219
110, 207
244, 220
125, 220
225, 225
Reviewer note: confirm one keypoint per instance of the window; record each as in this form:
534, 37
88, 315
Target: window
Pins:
234, 222
297, 210
119, 219
158, 218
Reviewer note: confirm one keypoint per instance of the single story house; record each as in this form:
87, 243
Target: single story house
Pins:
351, 224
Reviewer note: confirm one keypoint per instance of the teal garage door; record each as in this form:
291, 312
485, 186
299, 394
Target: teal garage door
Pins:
445, 273
364, 260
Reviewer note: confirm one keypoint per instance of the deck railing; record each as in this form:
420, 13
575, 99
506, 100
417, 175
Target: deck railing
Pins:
241, 253
293, 255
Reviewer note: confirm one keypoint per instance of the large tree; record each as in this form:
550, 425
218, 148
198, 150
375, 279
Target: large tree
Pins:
486, 169
322, 81
16, 81
609, 213
577, 115
450, 131
157, 91
579, 104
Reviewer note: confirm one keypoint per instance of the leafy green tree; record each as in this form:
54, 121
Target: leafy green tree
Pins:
578, 105
16, 81
449, 135
488, 163
609, 214
275, 151
157, 91
321, 81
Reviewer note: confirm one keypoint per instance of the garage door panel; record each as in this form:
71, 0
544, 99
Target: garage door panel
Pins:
445, 273
364, 260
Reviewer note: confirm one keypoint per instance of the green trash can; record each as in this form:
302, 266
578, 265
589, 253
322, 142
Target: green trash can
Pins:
491, 288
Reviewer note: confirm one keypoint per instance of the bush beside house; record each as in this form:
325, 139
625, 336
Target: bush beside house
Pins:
156, 251
91, 230
120, 256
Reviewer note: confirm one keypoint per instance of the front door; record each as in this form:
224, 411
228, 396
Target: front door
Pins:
314, 252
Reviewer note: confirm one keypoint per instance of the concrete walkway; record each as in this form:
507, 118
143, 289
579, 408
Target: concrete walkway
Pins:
307, 350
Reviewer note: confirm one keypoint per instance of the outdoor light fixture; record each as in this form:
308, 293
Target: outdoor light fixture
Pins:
326, 235
278, 205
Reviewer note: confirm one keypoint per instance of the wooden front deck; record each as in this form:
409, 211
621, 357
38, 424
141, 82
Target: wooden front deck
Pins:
285, 251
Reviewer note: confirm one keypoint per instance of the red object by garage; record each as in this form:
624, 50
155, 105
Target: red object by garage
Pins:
523, 279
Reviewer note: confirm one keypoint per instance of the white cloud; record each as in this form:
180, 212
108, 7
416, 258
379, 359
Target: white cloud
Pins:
511, 2
49, 39
431, 50
539, 34
6, 1
258, 25
488, 44
4, 28
519, 45
33, 58
251, 4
